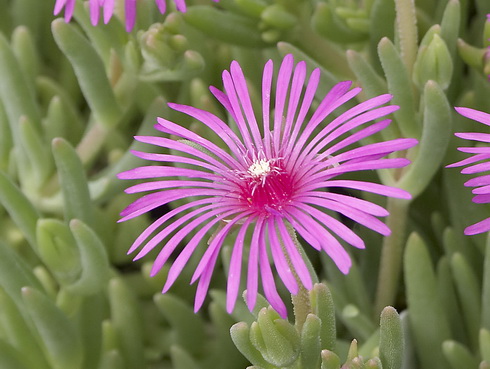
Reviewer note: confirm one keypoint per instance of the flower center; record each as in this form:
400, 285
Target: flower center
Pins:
260, 169
267, 187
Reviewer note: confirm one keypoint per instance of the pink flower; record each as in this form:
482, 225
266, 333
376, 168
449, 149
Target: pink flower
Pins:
273, 176
108, 9
480, 153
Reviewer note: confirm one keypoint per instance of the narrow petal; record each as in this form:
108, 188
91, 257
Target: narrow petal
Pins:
253, 264
477, 115
234, 274
282, 266
477, 228
294, 254
130, 13
268, 282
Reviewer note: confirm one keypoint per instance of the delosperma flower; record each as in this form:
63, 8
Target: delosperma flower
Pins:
276, 175
108, 9
480, 154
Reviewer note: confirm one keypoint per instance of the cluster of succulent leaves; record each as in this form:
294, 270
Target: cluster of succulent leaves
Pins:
71, 97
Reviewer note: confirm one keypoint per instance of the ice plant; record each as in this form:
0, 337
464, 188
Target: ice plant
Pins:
275, 175
480, 154
108, 9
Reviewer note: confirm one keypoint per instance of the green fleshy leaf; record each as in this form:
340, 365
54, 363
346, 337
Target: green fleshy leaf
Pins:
357, 322
252, 8
181, 359
398, 85
382, 24
323, 307
18, 332
224, 26
327, 78
484, 339
93, 256
468, 289
240, 334
11, 358
276, 339
433, 144
60, 338
276, 16
425, 311
450, 24
447, 295
6, 143
458, 355
311, 342
90, 72
77, 201
126, 318
18, 98
226, 352
14, 274
391, 339
20, 208
36, 151
24, 49
188, 327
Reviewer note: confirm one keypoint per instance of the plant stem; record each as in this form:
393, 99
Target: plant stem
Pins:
391, 254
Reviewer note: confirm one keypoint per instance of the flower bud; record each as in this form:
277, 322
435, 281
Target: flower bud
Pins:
433, 63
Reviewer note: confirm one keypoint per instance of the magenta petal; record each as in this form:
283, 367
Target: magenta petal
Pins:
477, 115
477, 228
234, 274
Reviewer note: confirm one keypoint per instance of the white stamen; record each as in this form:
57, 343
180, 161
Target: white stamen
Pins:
260, 168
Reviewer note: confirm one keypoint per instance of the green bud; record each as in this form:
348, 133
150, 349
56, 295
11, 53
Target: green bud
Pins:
353, 352
391, 339
278, 17
58, 334
458, 355
276, 339
154, 47
330, 360
433, 63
